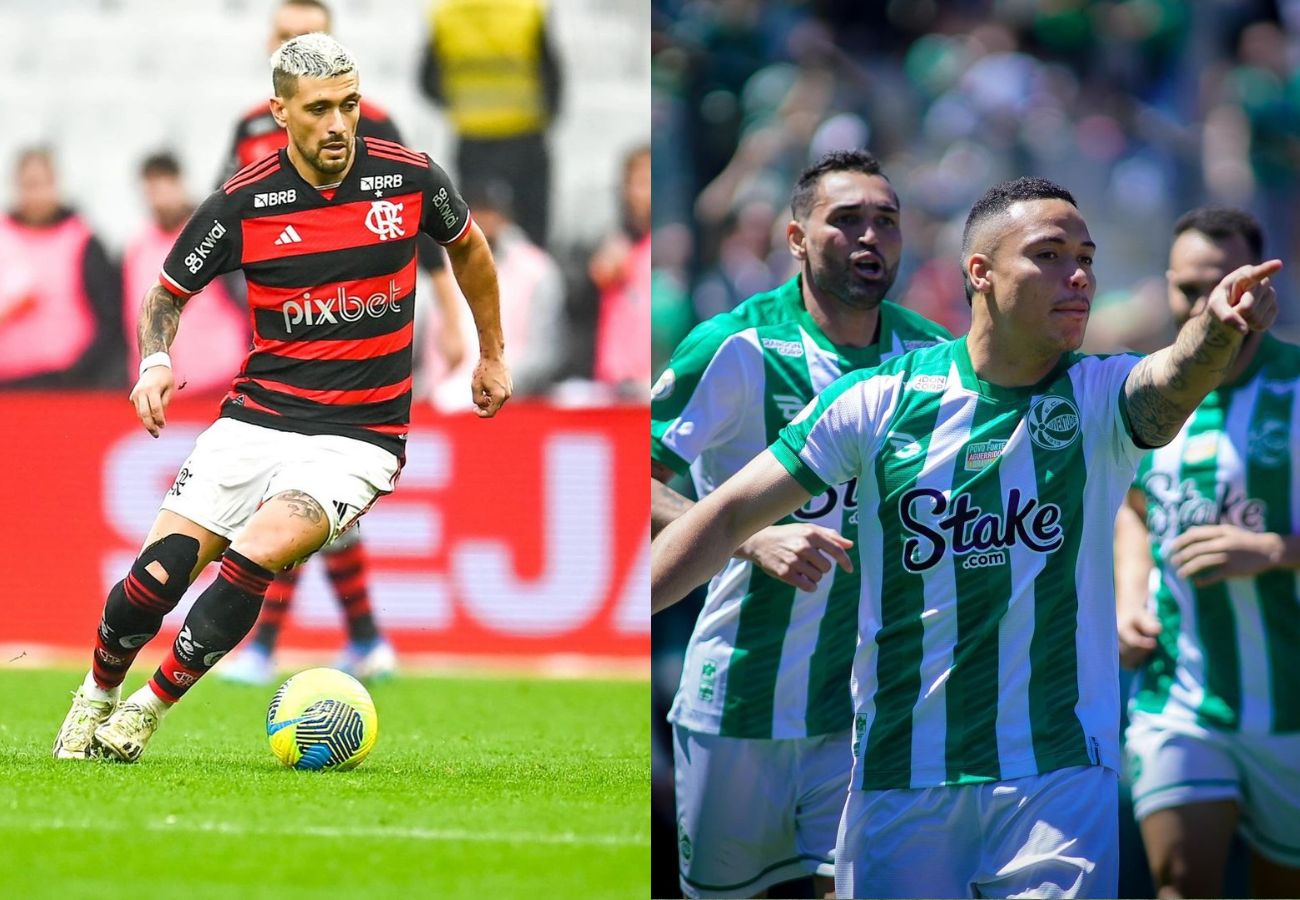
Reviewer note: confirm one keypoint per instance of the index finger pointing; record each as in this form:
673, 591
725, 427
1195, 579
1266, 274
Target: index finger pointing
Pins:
1249, 276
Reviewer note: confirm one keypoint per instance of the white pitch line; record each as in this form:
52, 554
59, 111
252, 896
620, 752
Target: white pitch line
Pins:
409, 834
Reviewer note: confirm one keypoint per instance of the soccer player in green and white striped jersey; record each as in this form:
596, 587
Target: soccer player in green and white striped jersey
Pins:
989, 470
1206, 555
762, 716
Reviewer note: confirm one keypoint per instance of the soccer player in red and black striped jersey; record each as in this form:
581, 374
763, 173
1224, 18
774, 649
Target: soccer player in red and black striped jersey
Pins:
368, 654
312, 430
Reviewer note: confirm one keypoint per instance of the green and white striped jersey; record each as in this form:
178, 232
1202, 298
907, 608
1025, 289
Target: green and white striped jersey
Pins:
1229, 655
986, 628
766, 660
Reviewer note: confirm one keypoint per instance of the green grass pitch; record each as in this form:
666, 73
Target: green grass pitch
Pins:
478, 787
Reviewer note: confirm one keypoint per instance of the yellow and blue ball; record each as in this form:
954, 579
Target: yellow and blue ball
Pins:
322, 719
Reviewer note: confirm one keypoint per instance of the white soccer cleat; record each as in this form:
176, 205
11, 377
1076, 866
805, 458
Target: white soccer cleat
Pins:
369, 662
252, 665
127, 731
76, 738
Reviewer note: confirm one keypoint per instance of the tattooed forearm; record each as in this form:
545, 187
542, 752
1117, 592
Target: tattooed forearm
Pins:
303, 505
665, 506
160, 316
1163, 389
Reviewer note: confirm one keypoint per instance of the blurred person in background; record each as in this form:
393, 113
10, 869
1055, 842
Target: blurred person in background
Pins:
60, 294
620, 269
367, 654
212, 345
762, 716
532, 302
490, 65
1214, 732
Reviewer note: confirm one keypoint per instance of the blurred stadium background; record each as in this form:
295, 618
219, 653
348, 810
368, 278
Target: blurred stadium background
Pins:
1142, 108
521, 541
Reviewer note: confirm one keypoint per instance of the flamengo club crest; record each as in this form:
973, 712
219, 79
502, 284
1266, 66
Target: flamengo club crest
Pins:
385, 219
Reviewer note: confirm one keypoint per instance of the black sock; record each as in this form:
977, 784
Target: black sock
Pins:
220, 619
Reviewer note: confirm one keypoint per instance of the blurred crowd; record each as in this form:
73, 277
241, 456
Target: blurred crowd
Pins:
1142, 108
576, 310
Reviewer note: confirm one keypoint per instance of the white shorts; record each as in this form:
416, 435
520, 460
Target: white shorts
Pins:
753, 813
1052, 835
1175, 763
235, 467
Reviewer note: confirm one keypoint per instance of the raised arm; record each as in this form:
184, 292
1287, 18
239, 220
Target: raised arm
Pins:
695, 546
160, 317
476, 273
1165, 387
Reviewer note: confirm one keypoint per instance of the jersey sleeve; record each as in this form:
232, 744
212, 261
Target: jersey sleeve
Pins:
208, 246
698, 401
446, 216
1106, 377
829, 440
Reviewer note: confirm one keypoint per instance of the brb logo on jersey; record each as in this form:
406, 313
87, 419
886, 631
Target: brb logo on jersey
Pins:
329, 310
1053, 422
979, 538
385, 219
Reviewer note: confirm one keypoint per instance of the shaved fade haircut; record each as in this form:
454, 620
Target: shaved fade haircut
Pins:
995, 203
315, 55
805, 188
1222, 222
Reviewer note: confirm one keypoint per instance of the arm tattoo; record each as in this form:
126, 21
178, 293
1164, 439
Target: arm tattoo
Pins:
665, 506
1164, 389
160, 316
303, 505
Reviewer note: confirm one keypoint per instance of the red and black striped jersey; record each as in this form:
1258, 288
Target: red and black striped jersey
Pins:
258, 135
331, 286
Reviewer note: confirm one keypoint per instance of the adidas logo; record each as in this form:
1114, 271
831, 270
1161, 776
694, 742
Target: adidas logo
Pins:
289, 236
344, 511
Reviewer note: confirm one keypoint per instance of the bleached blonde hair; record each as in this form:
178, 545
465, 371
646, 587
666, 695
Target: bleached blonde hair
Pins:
314, 55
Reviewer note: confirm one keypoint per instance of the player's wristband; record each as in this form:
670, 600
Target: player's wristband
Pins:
155, 359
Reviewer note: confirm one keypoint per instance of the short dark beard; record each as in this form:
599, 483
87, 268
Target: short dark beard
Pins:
842, 284
314, 160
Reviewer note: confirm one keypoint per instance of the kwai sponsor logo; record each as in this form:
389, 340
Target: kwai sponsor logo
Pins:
195, 259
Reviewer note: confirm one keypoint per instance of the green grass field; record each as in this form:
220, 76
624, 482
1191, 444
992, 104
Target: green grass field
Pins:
477, 788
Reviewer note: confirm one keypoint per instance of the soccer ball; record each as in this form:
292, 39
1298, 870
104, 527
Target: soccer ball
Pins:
322, 719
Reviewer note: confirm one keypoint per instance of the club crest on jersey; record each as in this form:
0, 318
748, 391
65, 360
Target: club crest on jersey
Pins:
385, 219
1267, 444
1053, 422
977, 538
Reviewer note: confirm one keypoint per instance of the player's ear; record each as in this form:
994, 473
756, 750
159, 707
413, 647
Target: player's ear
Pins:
278, 112
795, 237
978, 269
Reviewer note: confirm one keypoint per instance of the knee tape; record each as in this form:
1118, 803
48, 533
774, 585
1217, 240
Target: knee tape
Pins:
178, 554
